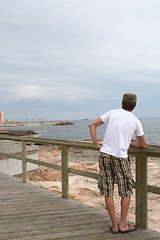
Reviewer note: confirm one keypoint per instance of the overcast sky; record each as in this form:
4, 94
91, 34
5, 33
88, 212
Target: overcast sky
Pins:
73, 59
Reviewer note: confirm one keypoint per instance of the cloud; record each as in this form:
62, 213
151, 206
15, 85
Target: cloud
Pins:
84, 52
64, 93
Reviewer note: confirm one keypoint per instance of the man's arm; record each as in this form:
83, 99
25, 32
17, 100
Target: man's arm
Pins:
141, 142
92, 127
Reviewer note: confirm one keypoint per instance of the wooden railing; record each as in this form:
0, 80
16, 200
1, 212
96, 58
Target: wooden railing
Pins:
141, 155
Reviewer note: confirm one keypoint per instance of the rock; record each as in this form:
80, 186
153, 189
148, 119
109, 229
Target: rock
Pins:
62, 123
17, 132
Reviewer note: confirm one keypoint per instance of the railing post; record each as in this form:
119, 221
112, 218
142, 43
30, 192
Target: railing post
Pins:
65, 178
141, 190
24, 162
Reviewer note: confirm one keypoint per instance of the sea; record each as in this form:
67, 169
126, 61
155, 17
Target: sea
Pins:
79, 131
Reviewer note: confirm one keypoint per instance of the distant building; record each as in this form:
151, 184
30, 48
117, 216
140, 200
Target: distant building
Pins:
1, 117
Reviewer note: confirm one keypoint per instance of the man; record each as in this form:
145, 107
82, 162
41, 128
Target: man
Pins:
113, 157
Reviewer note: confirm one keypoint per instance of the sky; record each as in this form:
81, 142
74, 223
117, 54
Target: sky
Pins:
74, 59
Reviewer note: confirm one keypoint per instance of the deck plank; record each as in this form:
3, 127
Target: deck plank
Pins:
30, 212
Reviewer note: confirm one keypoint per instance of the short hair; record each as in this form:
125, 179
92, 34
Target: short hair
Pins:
129, 106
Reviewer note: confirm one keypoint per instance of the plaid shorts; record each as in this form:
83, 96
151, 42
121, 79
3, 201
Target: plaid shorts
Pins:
111, 169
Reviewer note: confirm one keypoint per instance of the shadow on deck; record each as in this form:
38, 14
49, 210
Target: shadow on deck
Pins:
29, 212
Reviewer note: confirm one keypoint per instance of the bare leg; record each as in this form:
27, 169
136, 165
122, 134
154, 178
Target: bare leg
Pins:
111, 210
124, 211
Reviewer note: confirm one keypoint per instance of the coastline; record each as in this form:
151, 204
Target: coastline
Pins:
30, 124
79, 131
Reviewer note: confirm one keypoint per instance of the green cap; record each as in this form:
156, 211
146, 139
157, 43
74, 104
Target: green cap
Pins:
129, 97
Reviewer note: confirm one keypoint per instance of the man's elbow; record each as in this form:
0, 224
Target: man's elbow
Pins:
90, 125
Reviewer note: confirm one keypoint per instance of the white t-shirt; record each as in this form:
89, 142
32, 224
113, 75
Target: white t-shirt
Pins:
121, 125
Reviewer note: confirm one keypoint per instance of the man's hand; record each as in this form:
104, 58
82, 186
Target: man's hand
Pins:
98, 146
141, 142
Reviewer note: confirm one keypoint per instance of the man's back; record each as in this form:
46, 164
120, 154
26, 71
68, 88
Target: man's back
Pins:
121, 125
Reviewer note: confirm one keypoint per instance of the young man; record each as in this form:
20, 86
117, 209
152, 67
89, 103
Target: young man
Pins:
113, 157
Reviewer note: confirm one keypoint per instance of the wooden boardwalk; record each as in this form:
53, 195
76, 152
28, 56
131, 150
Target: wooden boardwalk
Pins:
28, 212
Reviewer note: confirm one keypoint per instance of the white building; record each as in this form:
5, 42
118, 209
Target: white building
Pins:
1, 117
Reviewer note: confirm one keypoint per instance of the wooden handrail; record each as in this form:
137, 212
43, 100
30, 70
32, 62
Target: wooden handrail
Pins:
141, 185
149, 150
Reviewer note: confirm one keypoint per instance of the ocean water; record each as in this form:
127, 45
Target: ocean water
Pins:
79, 131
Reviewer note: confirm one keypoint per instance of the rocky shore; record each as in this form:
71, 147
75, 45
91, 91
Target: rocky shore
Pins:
55, 123
16, 132
85, 189
13, 132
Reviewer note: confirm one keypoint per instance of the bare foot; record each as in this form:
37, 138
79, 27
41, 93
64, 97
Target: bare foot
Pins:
113, 229
127, 228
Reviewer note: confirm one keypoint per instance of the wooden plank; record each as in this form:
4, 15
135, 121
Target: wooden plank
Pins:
154, 189
141, 190
45, 164
77, 144
24, 162
83, 173
30, 212
47, 224
65, 176
149, 150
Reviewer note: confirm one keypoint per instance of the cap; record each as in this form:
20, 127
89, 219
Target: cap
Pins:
129, 97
